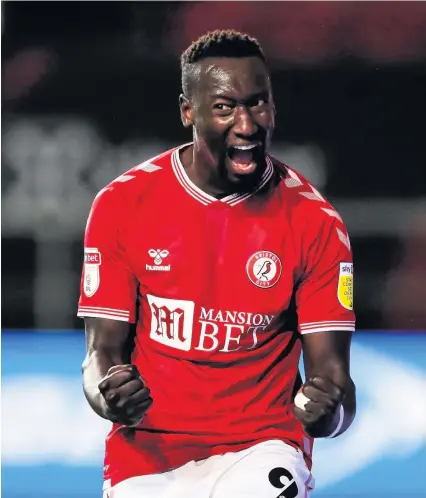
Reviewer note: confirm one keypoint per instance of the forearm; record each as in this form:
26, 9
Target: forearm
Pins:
106, 347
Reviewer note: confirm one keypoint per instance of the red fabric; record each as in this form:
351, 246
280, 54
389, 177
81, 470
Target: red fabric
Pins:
215, 282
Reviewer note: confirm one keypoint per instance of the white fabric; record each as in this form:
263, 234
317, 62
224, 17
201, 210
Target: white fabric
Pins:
243, 474
340, 423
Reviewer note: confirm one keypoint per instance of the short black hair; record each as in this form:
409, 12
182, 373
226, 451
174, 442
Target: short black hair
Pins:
218, 43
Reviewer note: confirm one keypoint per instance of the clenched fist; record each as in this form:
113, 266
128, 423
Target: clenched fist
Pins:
321, 414
126, 396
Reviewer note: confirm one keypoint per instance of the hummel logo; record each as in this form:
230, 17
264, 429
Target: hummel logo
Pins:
158, 255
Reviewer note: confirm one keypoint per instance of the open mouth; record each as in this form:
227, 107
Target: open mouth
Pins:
244, 157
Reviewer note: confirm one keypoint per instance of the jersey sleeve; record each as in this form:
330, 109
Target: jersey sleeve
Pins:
324, 297
108, 286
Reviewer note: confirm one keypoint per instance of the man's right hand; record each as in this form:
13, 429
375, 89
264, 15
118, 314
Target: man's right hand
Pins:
126, 396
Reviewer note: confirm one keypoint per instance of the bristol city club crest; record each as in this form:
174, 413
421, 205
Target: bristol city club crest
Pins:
264, 269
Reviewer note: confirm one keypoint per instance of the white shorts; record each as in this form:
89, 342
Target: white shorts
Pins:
271, 469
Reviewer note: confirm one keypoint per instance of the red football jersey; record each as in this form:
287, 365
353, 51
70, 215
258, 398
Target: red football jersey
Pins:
220, 291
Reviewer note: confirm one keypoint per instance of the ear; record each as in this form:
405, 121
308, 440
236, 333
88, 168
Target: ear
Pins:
186, 114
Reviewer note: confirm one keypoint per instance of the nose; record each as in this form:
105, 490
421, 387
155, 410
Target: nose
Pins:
244, 124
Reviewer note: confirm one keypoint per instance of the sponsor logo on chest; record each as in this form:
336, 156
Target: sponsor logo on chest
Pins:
174, 321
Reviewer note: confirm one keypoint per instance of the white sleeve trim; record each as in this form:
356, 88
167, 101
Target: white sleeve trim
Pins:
327, 322
100, 315
99, 312
104, 311
95, 308
325, 329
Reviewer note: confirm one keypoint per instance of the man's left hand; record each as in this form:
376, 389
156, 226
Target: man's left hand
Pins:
321, 413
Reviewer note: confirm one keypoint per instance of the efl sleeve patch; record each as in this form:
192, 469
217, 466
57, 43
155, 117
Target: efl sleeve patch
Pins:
345, 288
91, 277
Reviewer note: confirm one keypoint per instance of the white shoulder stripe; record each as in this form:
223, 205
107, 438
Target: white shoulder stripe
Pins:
315, 191
344, 238
333, 213
311, 196
292, 181
310, 192
124, 178
148, 167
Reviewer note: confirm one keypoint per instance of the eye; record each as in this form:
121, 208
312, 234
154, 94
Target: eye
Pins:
222, 107
258, 102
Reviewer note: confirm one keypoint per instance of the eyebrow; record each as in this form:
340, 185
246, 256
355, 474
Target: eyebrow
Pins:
220, 95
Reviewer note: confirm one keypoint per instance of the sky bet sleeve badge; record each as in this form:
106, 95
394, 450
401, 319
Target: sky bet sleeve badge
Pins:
345, 290
92, 260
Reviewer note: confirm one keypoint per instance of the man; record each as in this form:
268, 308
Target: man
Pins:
228, 262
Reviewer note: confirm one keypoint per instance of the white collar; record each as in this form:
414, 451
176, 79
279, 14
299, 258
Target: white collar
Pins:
205, 198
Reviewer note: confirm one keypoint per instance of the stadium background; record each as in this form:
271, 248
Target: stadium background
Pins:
90, 88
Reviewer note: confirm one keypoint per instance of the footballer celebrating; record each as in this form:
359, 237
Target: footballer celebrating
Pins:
208, 271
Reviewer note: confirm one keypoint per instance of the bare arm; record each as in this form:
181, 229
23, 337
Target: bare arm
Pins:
328, 382
112, 385
106, 347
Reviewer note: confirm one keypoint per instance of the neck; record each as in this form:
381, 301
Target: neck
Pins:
202, 175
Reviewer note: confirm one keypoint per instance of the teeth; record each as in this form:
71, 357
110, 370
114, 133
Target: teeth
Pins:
245, 147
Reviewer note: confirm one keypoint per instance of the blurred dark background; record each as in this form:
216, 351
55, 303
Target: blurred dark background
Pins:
89, 89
